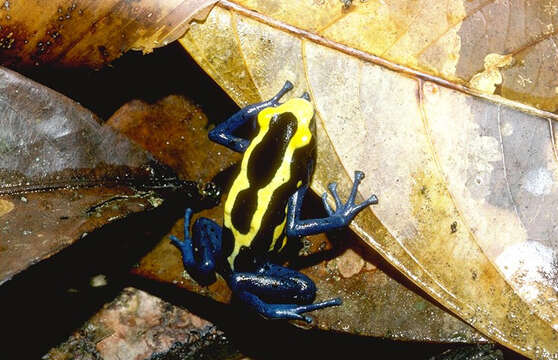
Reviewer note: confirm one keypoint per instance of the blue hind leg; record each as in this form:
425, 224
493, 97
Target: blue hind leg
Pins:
277, 292
200, 251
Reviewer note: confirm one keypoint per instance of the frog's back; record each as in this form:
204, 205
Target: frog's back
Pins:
274, 165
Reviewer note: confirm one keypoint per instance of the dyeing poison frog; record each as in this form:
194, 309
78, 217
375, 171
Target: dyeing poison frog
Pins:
262, 211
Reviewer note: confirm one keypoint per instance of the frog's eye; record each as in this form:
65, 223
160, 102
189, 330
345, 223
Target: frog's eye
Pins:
305, 96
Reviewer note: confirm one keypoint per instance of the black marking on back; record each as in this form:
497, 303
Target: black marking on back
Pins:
227, 241
275, 213
265, 159
300, 171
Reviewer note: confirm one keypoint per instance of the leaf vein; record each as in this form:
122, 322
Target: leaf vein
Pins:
504, 167
242, 55
317, 39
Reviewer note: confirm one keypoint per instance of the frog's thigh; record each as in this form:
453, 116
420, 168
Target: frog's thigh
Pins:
275, 284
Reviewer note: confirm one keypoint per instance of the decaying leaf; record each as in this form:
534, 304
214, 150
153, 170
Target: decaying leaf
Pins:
90, 33
174, 130
467, 186
62, 174
448, 39
490, 78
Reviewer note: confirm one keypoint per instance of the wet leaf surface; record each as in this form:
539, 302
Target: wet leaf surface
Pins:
62, 174
89, 33
466, 185
176, 132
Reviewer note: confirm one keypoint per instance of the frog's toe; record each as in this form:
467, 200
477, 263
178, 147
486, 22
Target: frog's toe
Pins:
176, 242
295, 312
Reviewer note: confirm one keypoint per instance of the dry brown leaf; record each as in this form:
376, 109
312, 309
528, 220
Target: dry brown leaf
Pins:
91, 33
62, 174
466, 186
174, 130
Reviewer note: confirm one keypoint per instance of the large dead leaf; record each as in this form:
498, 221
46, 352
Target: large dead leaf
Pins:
466, 186
457, 40
92, 33
62, 174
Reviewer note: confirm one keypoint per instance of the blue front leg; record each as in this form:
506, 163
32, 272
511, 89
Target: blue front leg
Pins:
201, 251
223, 133
339, 218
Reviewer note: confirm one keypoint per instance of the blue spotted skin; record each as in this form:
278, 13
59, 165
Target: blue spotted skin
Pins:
263, 209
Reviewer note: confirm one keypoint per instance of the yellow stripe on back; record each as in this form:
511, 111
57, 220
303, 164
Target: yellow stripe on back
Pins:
303, 112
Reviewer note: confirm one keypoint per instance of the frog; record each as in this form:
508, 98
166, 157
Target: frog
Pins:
262, 211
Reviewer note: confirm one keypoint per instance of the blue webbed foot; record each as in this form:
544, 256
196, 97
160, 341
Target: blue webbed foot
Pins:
185, 246
295, 312
338, 218
286, 88
348, 210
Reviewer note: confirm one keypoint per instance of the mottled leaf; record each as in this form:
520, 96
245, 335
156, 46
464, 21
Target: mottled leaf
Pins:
466, 185
91, 33
62, 174
456, 40
174, 130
